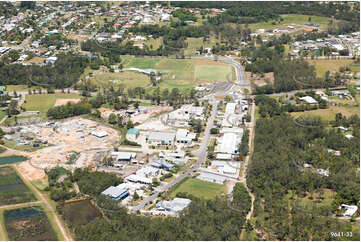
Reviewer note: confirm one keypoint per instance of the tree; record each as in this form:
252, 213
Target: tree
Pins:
112, 119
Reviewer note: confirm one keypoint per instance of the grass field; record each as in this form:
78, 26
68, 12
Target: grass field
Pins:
198, 188
42, 102
322, 66
292, 19
12, 188
209, 72
19, 88
126, 78
176, 73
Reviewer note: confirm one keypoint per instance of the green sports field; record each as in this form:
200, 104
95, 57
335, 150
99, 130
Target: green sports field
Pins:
198, 188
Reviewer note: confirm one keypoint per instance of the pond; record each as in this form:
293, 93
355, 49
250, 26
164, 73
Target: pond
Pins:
79, 213
12, 159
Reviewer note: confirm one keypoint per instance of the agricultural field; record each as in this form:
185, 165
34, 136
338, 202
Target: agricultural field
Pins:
322, 66
289, 19
198, 188
79, 213
12, 188
29, 223
42, 102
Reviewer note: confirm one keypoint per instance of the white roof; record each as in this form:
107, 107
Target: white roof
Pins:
212, 177
308, 99
230, 108
232, 130
124, 155
181, 133
228, 143
350, 209
175, 205
136, 178
161, 136
224, 157
99, 134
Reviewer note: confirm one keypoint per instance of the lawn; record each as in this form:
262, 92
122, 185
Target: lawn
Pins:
42, 102
198, 188
322, 66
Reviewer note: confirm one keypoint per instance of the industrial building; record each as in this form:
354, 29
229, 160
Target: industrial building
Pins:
148, 171
173, 207
99, 134
138, 179
162, 164
183, 136
212, 177
161, 138
228, 143
123, 156
115, 193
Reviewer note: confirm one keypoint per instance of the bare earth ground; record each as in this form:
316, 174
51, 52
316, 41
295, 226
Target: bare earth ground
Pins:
68, 136
260, 81
63, 101
31, 172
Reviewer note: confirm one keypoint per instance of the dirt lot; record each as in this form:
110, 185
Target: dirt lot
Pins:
69, 136
151, 111
63, 101
31, 172
261, 81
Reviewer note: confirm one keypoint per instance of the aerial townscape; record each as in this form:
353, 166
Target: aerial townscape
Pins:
179, 120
